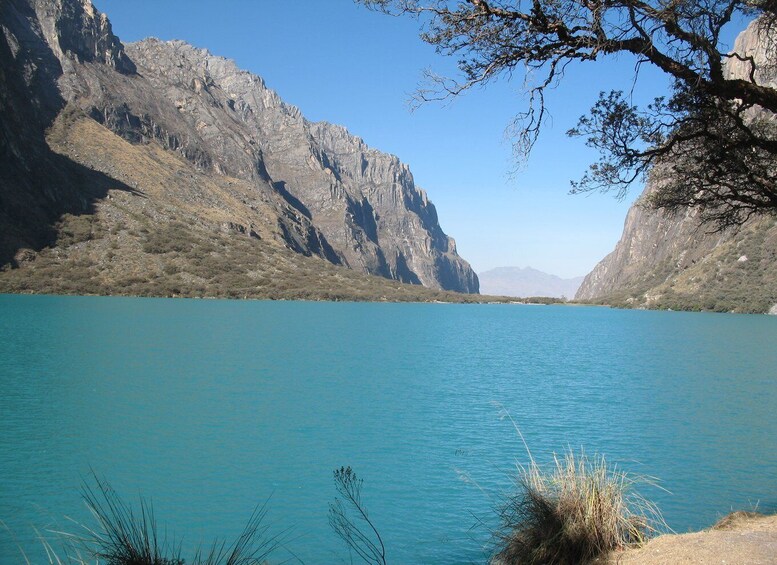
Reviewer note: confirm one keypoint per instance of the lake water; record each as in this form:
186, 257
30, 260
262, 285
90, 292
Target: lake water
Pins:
210, 407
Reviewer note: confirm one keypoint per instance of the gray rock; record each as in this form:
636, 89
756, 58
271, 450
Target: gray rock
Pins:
333, 196
75, 29
364, 202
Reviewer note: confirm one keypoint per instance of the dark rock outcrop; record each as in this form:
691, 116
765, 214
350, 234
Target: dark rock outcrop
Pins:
38, 42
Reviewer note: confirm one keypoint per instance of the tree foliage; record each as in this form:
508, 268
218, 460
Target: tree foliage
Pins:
711, 142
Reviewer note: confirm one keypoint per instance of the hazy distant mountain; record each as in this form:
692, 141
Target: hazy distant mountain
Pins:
525, 282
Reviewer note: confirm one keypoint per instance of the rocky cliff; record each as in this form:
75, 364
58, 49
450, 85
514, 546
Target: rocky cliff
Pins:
671, 261
312, 188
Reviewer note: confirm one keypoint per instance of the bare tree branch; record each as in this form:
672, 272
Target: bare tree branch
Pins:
714, 122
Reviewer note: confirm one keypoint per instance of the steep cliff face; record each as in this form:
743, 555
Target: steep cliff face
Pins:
39, 41
670, 261
324, 192
76, 31
363, 201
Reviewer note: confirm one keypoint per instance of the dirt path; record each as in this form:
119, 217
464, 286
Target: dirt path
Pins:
738, 539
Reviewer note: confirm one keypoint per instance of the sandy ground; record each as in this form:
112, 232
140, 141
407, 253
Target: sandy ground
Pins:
738, 539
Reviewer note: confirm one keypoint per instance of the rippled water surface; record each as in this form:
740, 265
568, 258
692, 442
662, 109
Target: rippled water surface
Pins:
210, 407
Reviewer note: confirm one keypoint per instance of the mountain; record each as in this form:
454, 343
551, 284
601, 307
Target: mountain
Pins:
164, 156
526, 282
671, 261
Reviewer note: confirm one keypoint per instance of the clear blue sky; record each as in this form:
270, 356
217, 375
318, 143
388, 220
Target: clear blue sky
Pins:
339, 62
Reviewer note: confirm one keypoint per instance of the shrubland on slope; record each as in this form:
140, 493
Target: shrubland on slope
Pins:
157, 168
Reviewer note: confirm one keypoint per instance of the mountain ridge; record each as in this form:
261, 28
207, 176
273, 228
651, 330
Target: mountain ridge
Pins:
329, 194
525, 282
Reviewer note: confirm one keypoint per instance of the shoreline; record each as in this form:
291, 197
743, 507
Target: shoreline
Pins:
741, 538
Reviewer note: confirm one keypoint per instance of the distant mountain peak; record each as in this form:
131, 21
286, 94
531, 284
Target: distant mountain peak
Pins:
524, 282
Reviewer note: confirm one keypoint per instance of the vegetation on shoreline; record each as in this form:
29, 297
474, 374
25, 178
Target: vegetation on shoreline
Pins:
573, 512
570, 513
579, 510
136, 256
350, 521
125, 536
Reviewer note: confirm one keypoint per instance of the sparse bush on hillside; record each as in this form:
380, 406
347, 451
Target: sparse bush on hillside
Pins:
167, 240
74, 229
542, 300
738, 277
171, 258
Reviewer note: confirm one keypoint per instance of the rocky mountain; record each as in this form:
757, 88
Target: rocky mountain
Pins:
186, 139
526, 282
671, 261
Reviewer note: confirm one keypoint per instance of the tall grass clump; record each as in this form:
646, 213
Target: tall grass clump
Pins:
575, 510
125, 536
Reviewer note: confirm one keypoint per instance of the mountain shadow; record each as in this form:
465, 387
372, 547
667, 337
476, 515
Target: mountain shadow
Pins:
37, 185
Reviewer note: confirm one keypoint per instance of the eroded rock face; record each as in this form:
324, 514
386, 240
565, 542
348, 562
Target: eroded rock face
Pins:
30, 99
661, 255
652, 247
333, 196
75, 29
364, 202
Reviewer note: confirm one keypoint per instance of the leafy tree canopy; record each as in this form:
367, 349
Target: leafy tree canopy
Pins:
711, 143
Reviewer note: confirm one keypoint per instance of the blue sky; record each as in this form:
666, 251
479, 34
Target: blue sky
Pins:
341, 63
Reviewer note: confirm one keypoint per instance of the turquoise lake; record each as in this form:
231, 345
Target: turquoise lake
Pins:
208, 408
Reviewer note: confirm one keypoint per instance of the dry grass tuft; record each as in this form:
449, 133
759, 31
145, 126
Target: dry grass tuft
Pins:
578, 509
735, 520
